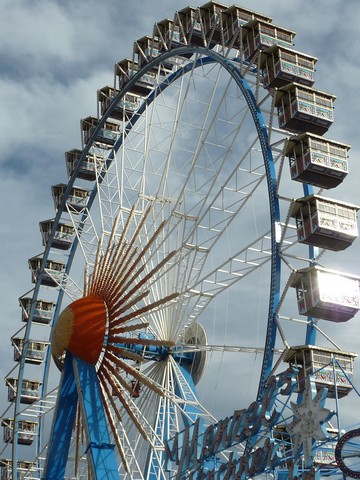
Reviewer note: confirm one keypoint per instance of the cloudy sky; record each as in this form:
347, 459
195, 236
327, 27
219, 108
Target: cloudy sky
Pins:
54, 55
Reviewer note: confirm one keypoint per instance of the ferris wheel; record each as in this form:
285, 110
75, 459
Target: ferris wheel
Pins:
181, 323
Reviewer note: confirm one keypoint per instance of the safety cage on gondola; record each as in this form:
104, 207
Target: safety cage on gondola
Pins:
325, 222
234, 19
63, 236
170, 35
126, 69
124, 109
76, 201
317, 160
106, 136
26, 431
30, 390
258, 35
43, 310
24, 468
89, 165
326, 294
324, 456
191, 25
328, 368
51, 276
284, 443
304, 109
34, 350
203, 26
167, 33
212, 15
281, 65
148, 48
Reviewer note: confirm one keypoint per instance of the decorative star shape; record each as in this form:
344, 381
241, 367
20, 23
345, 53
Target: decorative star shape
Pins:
308, 423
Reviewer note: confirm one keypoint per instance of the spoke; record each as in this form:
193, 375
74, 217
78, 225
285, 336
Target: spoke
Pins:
65, 283
220, 348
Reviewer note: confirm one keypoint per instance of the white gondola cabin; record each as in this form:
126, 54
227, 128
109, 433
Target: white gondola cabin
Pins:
25, 469
26, 431
177, 35
317, 160
202, 26
304, 109
105, 97
34, 352
192, 25
124, 109
146, 49
43, 311
324, 222
6, 469
168, 34
283, 437
325, 453
281, 66
76, 200
106, 136
126, 69
258, 35
88, 167
52, 274
30, 391
329, 368
235, 18
63, 236
326, 294
213, 16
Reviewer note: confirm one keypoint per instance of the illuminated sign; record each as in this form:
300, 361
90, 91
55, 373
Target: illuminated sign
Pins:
191, 448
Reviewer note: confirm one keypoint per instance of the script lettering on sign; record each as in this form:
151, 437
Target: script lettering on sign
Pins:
190, 448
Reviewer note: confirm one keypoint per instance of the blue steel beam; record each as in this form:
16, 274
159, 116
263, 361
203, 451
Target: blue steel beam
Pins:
63, 423
79, 382
100, 450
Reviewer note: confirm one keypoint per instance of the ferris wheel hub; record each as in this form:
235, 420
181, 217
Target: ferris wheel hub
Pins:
80, 329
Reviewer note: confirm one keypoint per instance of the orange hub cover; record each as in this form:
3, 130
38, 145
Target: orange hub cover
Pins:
81, 329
